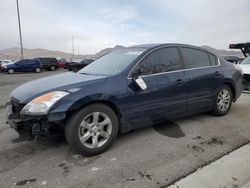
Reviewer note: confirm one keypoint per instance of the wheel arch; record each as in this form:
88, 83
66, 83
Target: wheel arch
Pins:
79, 105
10, 68
232, 87
108, 103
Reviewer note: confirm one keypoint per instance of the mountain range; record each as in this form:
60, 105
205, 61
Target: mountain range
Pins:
14, 53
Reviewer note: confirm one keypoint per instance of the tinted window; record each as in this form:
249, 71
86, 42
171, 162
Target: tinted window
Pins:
22, 62
213, 59
30, 62
162, 60
194, 58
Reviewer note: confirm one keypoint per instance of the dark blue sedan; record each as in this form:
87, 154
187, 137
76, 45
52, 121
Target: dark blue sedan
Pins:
25, 65
123, 90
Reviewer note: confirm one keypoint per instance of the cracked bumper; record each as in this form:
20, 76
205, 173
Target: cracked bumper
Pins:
35, 125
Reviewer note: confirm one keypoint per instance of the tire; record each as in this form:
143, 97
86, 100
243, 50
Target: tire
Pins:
52, 68
223, 101
37, 70
74, 69
11, 71
69, 68
95, 137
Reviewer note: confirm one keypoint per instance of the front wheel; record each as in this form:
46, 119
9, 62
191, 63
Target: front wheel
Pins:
223, 101
11, 71
92, 130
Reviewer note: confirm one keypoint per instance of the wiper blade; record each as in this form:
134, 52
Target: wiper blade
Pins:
84, 73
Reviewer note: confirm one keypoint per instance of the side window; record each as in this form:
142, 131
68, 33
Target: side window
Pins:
213, 59
37, 61
52, 61
33, 62
21, 62
162, 60
194, 58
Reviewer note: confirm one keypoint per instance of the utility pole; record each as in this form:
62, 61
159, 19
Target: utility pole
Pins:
78, 52
20, 31
73, 48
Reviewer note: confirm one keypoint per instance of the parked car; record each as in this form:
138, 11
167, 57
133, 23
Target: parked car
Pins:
49, 63
233, 59
62, 62
76, 66
245, 67
25, 65
123, 90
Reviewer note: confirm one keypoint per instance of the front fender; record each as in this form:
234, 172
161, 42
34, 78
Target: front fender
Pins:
72, 103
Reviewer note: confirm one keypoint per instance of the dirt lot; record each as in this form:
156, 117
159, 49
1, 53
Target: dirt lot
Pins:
150, 157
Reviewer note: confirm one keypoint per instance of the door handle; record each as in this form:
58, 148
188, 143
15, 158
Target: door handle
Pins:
216, 73
180, 82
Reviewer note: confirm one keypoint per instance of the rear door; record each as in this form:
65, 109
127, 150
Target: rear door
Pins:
203, 77
31, 65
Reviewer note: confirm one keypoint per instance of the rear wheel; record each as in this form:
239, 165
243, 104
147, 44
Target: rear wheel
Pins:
74, 69
11, 71
223, 101
92, 130
37, 70
52, 68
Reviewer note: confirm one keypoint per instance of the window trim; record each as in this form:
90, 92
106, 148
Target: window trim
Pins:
210, 54
129, 77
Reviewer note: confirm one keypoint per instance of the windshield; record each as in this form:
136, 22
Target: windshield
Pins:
6, 62
113, 63
246, 61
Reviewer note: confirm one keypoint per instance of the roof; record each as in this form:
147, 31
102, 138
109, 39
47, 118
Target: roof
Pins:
156, 45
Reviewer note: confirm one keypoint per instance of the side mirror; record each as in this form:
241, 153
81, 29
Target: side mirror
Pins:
140, 83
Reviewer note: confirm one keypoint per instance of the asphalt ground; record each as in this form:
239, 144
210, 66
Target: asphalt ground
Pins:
155, 156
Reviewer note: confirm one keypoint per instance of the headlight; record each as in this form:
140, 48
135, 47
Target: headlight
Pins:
42, 104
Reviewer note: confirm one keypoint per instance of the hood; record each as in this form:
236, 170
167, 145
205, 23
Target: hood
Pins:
245, 68
8, 64
59, 82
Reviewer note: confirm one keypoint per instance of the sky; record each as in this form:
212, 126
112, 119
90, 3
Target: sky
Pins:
97, 24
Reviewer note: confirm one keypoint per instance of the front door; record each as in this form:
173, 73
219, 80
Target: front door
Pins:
166, 92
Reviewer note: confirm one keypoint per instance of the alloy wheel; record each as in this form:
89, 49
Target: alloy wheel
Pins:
95, 130
11, 71
223, 100
37, 70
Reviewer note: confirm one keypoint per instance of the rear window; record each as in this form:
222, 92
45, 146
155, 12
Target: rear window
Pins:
213, 59
194, 58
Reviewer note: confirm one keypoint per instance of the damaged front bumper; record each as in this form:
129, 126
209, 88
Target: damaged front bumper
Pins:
36, 126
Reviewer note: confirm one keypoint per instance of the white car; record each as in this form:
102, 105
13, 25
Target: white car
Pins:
245, 67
